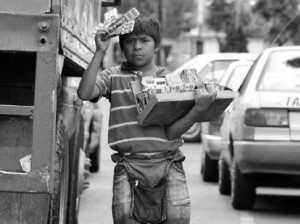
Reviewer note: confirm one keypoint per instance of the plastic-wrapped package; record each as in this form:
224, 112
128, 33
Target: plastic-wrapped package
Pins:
117, 25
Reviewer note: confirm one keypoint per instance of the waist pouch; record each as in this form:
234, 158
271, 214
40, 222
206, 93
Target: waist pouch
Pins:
148, 181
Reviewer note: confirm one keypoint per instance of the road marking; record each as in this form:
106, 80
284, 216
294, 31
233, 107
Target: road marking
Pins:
246, 218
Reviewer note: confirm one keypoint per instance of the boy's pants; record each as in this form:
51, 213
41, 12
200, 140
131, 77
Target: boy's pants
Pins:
178, 198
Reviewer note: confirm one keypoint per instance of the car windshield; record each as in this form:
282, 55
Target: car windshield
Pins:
214, 69
237, 76
281, 72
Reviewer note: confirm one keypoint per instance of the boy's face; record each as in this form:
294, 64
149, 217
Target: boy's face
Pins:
139, 49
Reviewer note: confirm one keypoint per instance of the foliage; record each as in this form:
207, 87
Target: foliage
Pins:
236, 41
274, 20
282, 20
180, 17
232, 18
176, 16
220, 15
277, 21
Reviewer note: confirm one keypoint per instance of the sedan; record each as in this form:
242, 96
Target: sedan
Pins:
210, 134
261, 129
210, 65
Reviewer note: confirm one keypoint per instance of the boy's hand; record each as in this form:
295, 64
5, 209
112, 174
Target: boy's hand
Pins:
101, 43
203, 99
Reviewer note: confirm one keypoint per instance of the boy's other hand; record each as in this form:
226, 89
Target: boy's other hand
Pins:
203, 99
101, 43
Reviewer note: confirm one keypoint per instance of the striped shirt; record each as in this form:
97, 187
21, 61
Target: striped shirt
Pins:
125, 134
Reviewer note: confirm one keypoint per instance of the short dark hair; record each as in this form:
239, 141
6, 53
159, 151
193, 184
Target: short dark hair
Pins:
145, 23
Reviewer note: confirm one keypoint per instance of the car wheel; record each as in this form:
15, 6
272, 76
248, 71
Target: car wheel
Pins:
193, 134
224, 177
243, 189
209, 168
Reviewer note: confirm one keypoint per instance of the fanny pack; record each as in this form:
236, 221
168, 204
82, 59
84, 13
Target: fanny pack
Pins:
147, 177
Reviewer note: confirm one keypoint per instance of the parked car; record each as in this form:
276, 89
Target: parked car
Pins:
261, 128
210, 134
210, 65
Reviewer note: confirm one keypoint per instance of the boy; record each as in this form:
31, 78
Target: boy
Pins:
149, 181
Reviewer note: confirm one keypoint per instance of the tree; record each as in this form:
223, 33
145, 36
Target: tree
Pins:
232, 18
180, 17
236, 41
176, 15
282, 19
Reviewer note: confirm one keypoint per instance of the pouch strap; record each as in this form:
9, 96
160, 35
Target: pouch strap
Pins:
175, 155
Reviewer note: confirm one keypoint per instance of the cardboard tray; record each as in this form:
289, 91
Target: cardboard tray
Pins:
164, 109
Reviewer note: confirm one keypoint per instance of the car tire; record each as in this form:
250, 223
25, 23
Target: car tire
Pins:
243, 189
224, 177
209, 168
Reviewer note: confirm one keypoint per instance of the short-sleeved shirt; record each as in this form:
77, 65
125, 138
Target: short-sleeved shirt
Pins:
125, 135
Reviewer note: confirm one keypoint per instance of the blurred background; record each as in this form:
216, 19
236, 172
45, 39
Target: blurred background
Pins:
192, 27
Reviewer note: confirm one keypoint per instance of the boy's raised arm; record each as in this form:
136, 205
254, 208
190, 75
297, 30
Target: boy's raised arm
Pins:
87, 89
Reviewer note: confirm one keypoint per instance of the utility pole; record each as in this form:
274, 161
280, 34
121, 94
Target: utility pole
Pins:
238, 9
161, 19
200, 14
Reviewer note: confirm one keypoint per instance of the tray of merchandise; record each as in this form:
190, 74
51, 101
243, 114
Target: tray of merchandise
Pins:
166, 108
162, 101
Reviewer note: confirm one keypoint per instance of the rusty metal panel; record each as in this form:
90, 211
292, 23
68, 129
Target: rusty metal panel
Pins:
25, 6
16, 110
15, 141
25, 32
79, 18
45, 111
24, 208
35, 181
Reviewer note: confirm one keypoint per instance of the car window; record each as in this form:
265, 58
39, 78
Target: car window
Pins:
237, 76
281, 72
214, 69
248, 77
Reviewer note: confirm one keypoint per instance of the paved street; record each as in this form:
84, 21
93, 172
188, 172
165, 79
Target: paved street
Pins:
208, 206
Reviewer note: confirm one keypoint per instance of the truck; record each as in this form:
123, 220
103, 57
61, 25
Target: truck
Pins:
45, 46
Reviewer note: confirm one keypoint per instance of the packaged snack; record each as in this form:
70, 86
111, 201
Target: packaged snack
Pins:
117, 25
173, 79
211, 85
189, 76
121, 20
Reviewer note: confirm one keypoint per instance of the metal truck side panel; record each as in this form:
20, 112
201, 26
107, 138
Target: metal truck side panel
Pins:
23, 208
79, 19
43, 112
24, 32
28, 6
69, 104
44, 45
